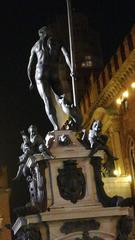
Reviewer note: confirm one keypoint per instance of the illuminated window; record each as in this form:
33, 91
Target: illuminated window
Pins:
87, 62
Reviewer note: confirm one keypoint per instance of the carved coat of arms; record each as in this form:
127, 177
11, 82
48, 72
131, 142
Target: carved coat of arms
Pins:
71, 182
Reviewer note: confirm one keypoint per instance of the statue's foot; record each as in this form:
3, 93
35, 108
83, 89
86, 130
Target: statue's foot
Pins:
19, 173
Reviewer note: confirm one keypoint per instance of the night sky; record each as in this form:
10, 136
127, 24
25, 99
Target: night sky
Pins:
19, 21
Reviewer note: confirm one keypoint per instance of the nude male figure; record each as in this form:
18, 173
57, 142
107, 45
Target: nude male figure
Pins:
43, 61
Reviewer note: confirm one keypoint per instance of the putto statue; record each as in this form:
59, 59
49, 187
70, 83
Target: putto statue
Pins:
96, 141
94, 132
38, 143
31, 169
44, 62
27, 150
32, 144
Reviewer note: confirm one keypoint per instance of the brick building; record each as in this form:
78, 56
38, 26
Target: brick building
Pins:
111, 98
5, 234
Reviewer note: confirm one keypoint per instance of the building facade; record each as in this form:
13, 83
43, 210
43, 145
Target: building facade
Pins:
111, 98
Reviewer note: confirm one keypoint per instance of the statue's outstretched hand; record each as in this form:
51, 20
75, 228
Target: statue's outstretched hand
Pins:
72, 74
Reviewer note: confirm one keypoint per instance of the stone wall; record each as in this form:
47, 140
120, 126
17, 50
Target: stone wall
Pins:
5, 233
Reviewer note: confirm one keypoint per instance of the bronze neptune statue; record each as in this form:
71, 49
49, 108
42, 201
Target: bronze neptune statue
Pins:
44, 62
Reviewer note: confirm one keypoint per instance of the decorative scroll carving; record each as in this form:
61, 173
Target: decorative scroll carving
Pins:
37, 186
71, 182
102, 196
86, 236
84, 225
124, 227
28, 233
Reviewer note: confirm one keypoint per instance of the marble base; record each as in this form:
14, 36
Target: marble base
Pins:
105, 218
63, 218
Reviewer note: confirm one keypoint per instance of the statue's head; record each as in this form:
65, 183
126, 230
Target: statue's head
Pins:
44, 31
97, 125
32, 130
24, 137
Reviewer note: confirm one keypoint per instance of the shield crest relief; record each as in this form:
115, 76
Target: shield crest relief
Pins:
71, 182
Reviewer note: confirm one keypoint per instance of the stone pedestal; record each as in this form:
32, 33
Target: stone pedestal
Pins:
73, 210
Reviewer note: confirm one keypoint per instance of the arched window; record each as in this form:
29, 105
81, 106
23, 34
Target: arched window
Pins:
131, 150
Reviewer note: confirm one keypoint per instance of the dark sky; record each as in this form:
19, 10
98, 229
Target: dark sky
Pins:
19, 21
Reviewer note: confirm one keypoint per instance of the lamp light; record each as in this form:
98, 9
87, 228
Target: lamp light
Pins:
117, 172
133, 85
125, 94
129, 178
118, 101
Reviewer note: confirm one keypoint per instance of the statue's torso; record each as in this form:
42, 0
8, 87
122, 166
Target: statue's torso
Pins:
47, 57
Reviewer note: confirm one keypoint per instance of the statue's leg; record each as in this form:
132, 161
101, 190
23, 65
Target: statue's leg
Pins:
45, 93
19, 172
51, 112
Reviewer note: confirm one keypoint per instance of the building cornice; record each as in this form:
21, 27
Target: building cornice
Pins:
115, 85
